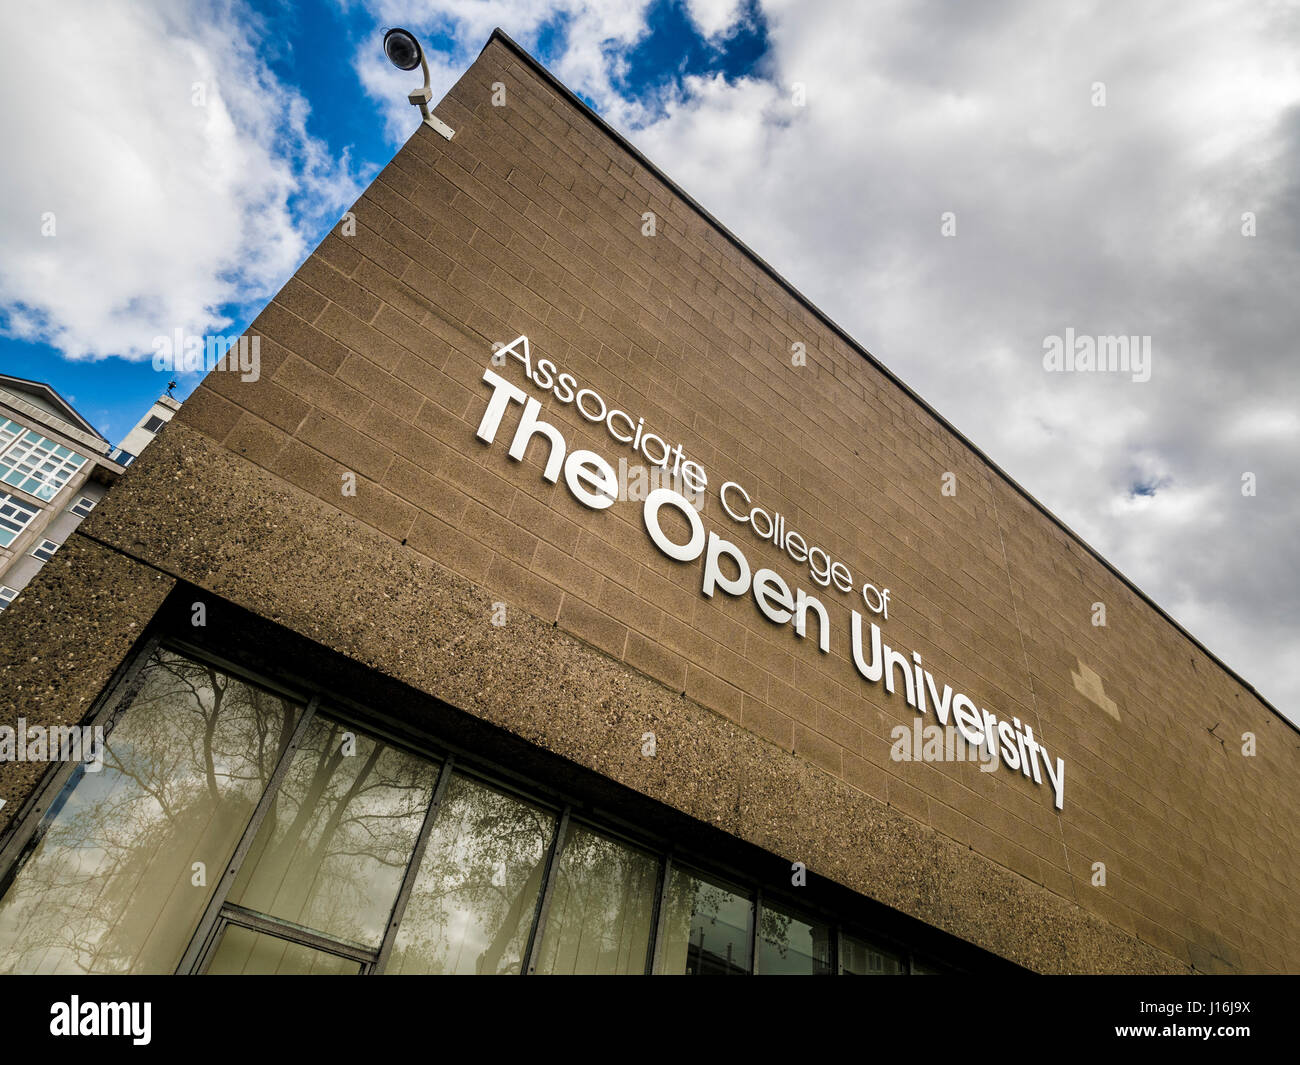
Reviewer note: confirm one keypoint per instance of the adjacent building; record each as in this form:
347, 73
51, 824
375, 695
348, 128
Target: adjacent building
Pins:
568, 594
54, 469
162, 411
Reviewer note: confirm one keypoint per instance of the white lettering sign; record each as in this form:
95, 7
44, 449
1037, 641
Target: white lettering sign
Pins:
676, 529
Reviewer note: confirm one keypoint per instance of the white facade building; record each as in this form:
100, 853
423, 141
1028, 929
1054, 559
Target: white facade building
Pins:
54, 468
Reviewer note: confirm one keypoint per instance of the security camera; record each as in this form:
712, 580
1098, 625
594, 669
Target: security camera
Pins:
405, 53
402, 49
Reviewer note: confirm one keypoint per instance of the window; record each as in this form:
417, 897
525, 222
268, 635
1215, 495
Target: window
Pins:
601, 909
245, 952
38, 465
15, 516
860, 958
709, 928
153, 424
475, 896
792, 945
108, 887
83, 506
332, 855
327, 848
7, 595
45, 550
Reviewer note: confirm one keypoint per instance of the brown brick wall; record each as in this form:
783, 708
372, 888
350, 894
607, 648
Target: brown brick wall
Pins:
529, 221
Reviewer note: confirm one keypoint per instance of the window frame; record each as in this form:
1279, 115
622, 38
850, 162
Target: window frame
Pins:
53, 550
35, 443
84, 512
9, 499
221, 913
31, 820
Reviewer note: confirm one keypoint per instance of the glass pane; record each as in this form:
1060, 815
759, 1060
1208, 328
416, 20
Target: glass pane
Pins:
15, 516
474, 898
39, 465
331, 853
789, 944
114, 885
601, 908
245, 952
866, 959
708, 928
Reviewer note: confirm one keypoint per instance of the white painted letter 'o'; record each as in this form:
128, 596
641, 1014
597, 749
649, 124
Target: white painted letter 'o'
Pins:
687, 552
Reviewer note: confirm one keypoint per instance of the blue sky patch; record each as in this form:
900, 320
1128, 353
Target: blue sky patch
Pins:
674, 49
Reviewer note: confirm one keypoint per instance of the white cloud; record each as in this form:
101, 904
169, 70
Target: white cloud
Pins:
1265, 424
713, 17
163, 210
594, 30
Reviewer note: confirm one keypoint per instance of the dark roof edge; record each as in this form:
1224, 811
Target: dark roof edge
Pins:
685, 197
54, 392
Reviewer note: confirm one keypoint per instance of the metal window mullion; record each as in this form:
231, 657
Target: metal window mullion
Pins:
218, 933
753, 939
413, 867
231, 914
660, 918
544, 903
207, 924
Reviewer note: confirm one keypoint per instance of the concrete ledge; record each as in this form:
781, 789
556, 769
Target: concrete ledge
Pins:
62, 640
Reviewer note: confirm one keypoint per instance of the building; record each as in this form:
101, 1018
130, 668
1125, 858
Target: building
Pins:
163, 410
407, 663
54, 468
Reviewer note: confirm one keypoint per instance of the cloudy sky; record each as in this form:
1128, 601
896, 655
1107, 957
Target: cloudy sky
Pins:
1110, 168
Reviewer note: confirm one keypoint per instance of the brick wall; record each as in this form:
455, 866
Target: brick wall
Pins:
529, 221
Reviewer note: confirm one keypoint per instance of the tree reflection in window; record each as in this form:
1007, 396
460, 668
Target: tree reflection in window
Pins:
601, 907
473, 902
341, 830
243, 952
113, 885
789, 944
708, 928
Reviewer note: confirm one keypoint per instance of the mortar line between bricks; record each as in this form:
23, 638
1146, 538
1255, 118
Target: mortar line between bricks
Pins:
1029, 676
